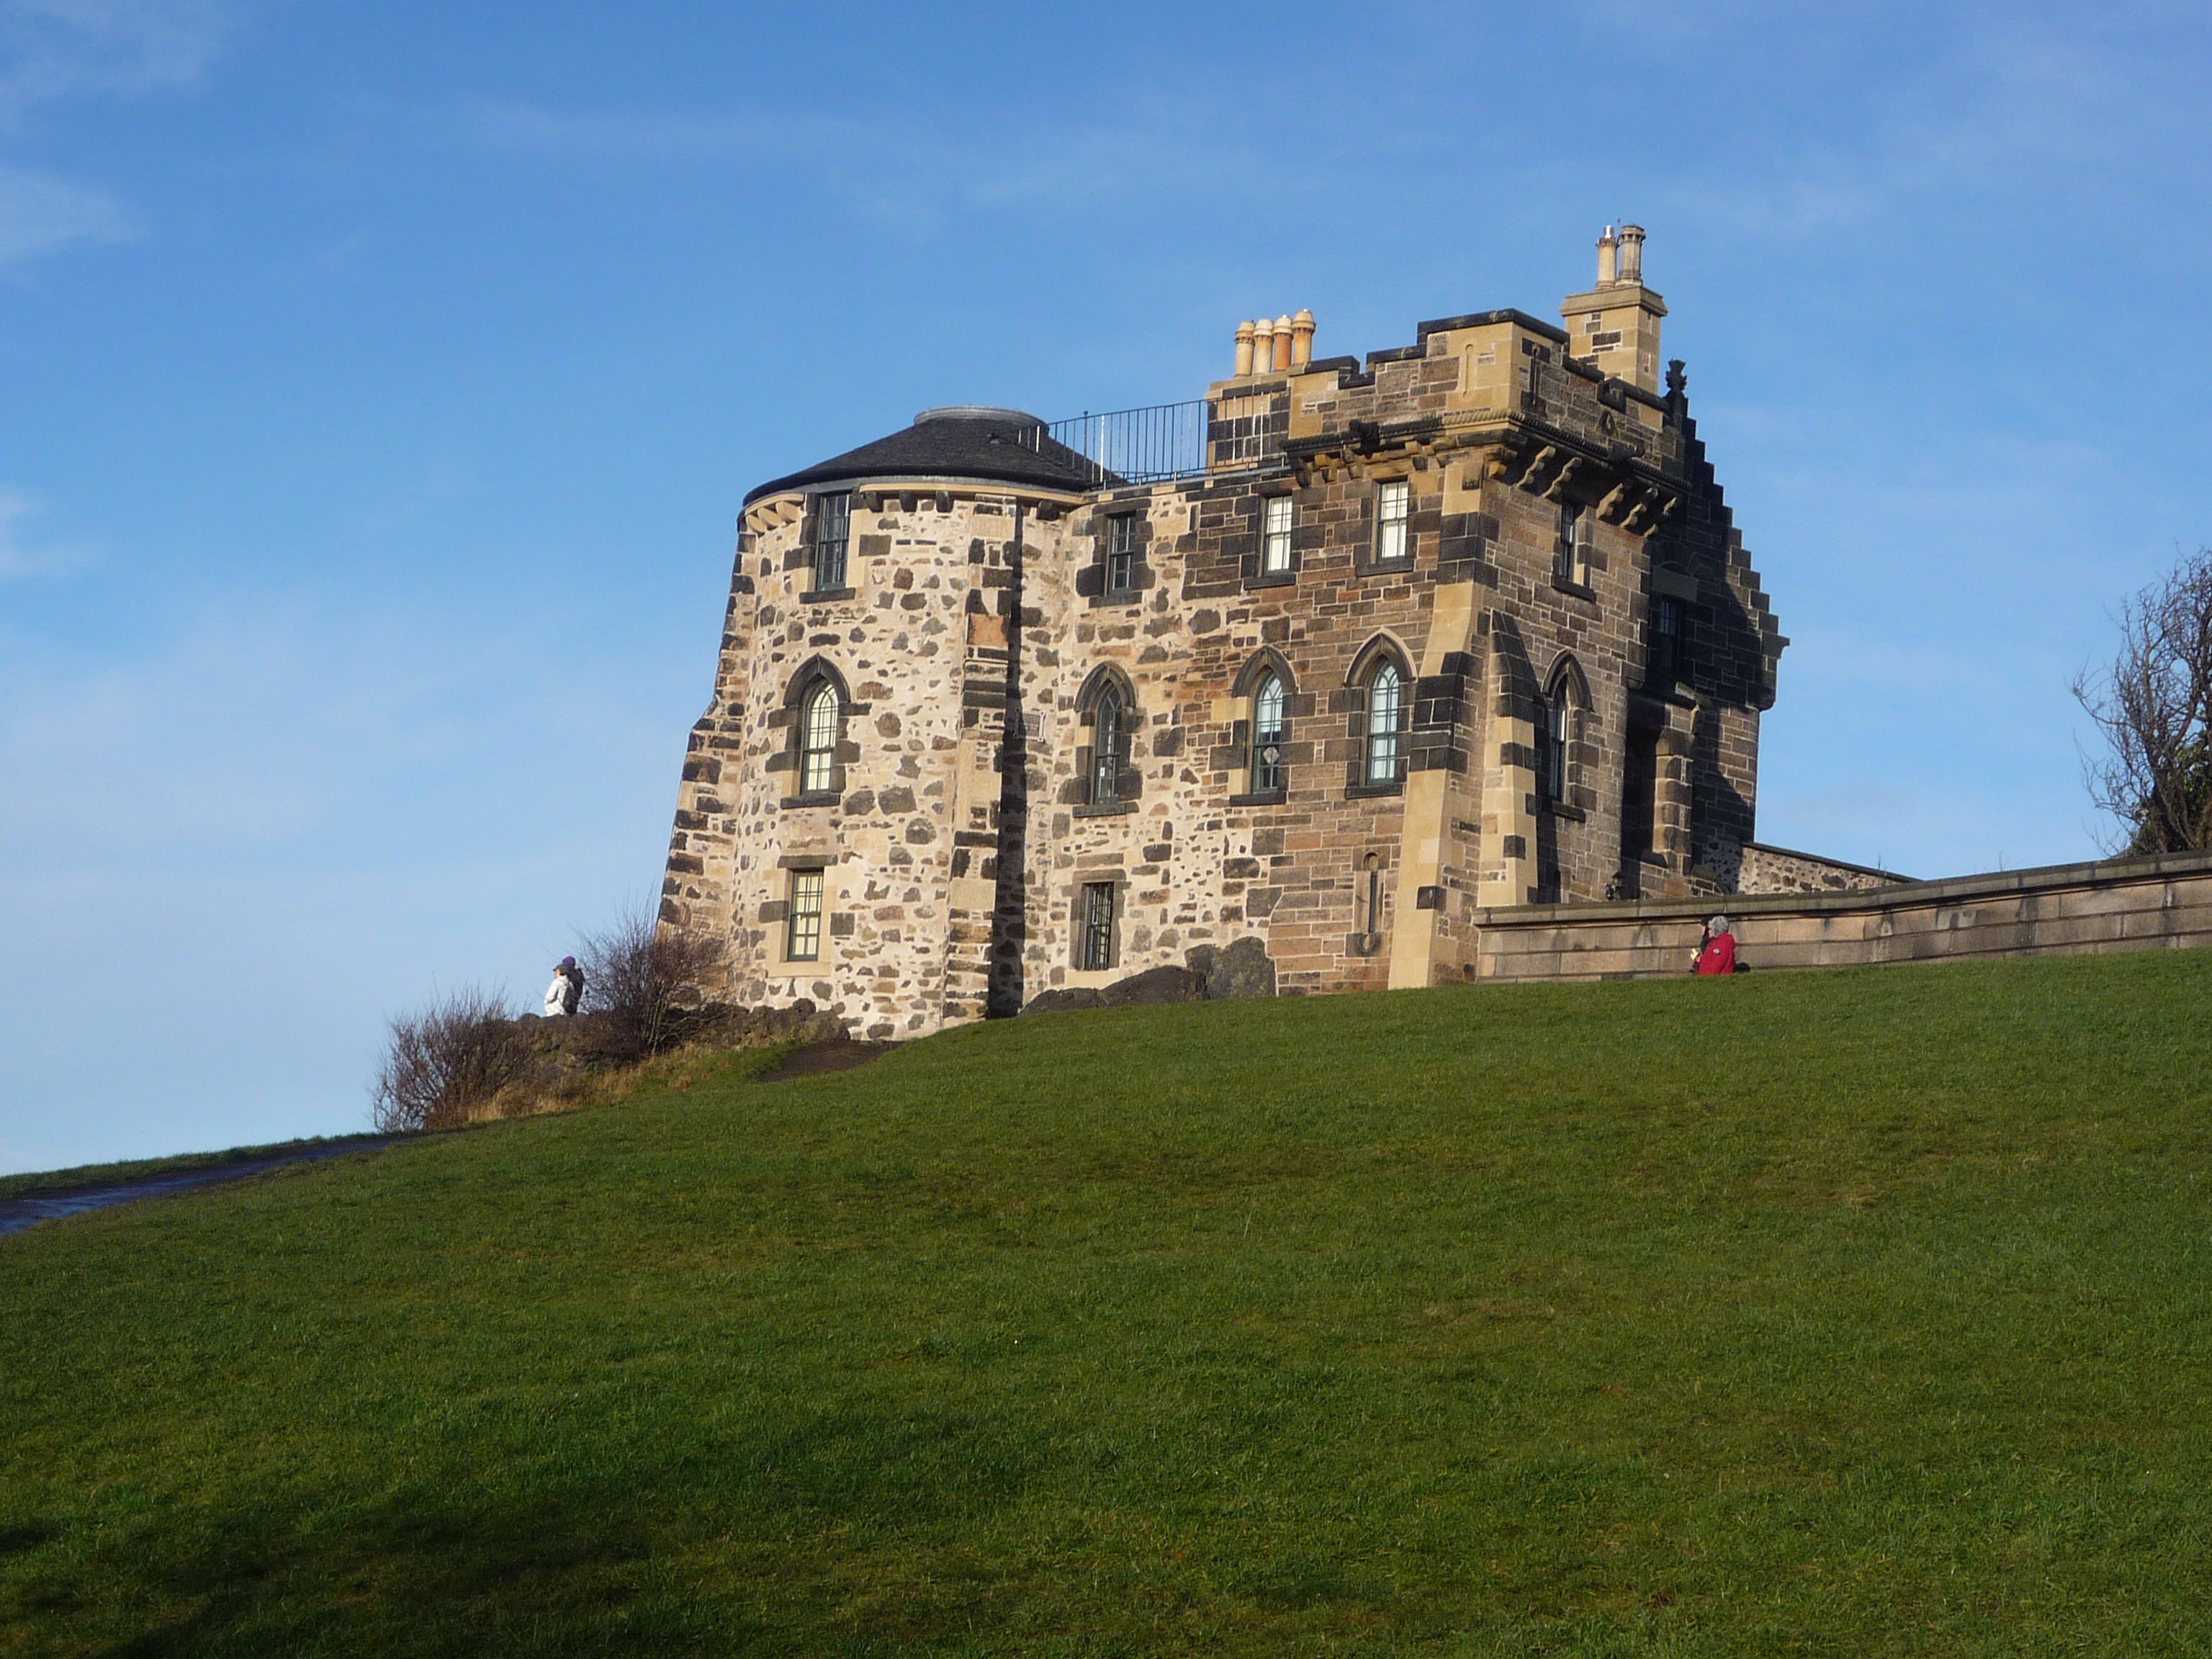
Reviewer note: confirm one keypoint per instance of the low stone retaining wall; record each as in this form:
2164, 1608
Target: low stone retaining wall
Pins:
2115, 904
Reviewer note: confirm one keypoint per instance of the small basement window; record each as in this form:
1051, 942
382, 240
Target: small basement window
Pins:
803, 931
1097, 925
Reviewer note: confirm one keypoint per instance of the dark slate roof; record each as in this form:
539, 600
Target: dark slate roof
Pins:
994, 446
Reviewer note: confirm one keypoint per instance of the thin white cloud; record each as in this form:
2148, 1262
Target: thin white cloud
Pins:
52, 49
19, 556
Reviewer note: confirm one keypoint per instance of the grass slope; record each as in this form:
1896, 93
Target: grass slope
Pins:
1843, 1313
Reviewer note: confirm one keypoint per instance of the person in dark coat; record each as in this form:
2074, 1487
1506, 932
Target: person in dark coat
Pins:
565, 994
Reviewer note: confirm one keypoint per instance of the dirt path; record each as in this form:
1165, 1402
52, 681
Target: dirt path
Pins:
837, 1055
31, 1208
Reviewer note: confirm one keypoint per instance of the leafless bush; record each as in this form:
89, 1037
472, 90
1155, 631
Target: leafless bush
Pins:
448, 1060
647, 982
2154, 707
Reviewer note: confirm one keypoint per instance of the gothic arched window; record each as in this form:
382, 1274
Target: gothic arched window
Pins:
1557, 717
1107, 725
817, 739
1269, 732
1385, 702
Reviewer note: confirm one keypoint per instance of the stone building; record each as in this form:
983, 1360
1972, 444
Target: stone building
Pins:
1293, 680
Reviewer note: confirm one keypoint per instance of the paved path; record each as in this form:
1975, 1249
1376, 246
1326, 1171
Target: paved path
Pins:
17, 1213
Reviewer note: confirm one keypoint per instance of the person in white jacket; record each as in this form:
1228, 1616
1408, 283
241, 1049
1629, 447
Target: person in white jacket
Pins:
567, 990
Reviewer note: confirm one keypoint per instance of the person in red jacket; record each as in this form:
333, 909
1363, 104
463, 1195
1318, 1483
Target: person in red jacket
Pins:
1718, 954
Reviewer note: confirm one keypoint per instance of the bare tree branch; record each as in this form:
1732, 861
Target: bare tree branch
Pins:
454, 1056
646, 979
2154, 707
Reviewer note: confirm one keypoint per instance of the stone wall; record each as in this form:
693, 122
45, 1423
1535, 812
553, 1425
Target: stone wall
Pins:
2125, 905
1777, 870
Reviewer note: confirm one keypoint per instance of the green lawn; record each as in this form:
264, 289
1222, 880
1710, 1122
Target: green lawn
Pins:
1853, 1313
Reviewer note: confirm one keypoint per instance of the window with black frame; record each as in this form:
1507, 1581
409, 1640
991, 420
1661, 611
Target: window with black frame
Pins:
833, 535
803, 931
1385, 700
1664, 660
1122, 553
1106, 747
1268, 734
1097, 926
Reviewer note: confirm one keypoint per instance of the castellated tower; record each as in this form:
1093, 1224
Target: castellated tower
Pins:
1289, 685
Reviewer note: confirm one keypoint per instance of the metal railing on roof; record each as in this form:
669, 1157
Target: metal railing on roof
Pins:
1139, 446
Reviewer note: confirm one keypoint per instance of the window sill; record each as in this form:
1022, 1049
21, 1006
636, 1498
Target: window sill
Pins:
1371, 791
816, 798
1260, 797
1274, 579
1127, 596
1387, 568
827, 595
1104, 808
1673, 691
1559, 808
1574, 590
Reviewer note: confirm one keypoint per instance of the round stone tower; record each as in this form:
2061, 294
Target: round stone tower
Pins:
842, 807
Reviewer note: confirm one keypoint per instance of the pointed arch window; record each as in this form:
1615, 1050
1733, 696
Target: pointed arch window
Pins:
1558, 718
1269, 733
1385, 703
819, 717
1108, 722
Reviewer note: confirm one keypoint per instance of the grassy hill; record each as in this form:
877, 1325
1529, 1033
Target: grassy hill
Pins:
1847, 1313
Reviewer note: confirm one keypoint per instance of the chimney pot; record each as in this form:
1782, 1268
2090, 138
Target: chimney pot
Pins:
1282, 352
1631, 253
1608, 258
1243, 349
1302, 334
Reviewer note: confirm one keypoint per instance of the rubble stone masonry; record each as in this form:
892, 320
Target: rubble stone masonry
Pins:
1529, 544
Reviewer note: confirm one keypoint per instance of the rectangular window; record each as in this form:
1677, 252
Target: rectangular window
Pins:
803, 933
1394, 504
1097, 925
833, 533
1121, 554
1571, 561
1275, 535
1665, 661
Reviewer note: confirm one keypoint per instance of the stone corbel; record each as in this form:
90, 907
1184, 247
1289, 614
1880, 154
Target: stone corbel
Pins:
1525, 464
1558, 487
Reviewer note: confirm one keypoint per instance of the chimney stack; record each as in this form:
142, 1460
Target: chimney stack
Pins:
1616, 326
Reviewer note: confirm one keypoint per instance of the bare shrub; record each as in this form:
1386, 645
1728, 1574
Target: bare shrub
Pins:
647, 982
448, 1061
2154, 707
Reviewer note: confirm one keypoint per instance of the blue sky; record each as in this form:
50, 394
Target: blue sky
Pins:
378, 385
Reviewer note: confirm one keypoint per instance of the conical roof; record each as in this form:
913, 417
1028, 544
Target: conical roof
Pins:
965, 443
